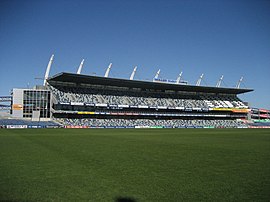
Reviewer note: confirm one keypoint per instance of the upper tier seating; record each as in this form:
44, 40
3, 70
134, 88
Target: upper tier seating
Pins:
102, 96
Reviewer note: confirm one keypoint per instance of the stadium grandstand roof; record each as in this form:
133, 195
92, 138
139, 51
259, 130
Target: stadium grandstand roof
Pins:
97, 80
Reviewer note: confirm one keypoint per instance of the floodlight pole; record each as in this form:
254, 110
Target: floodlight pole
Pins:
219, 81
80, 67
239, 82
179, 77
199, 80
133, 73
157, 74
108, 70
48, 70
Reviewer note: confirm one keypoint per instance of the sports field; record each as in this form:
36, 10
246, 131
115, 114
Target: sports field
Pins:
135, 165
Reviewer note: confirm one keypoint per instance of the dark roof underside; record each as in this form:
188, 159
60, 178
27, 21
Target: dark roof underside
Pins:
79, 78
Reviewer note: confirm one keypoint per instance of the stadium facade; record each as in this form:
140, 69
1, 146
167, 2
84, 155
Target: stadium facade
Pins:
83, 101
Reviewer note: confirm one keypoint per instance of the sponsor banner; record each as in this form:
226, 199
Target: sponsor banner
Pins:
53, 127
156, 127
17, 107
197, 108
76, 126
143, 106
240, 110
171, 81
222, 109
152, 107
261, 120
16, 126
188, 109
35, 126
86, 113
259, 127
141, 126
113, 105
180, 108
89, 104
123, 106
96, 127
161, 107
164, 80
77, 103
121, 113
219, 115
133, 106
64, 103
101, 105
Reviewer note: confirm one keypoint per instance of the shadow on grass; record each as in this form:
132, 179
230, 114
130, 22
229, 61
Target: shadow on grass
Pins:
125, 199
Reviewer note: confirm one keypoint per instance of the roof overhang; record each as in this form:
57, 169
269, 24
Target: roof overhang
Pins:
97, 80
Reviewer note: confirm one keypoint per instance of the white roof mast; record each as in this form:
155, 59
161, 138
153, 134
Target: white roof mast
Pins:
219, 81
199, 80
80, 67
108, 70
133, 73
239, 82
156, 76
179, 78
48, 70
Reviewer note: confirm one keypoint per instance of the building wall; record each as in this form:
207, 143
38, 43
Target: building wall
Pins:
17, 103
27, 102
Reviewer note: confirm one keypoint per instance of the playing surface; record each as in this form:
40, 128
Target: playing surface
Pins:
135, 165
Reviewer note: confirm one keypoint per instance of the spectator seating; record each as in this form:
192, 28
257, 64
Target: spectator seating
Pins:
89, 95
151, 123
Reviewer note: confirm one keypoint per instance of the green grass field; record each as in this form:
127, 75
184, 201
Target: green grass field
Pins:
135, 165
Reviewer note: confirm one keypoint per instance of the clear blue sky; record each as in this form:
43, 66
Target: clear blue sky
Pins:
230, 37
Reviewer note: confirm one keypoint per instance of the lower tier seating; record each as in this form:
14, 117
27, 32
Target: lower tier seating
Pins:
151, 123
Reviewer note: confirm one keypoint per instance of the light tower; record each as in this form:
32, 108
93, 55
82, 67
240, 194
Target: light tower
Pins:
199, 80
179, 78
239, 82
219, 81
48, 70
80, 67
108, 70
157, 74
133, 73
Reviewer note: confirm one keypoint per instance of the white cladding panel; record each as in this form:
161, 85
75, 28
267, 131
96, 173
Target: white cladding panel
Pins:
17, 105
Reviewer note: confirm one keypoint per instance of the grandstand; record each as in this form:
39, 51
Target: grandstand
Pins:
84, 101
92, 101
